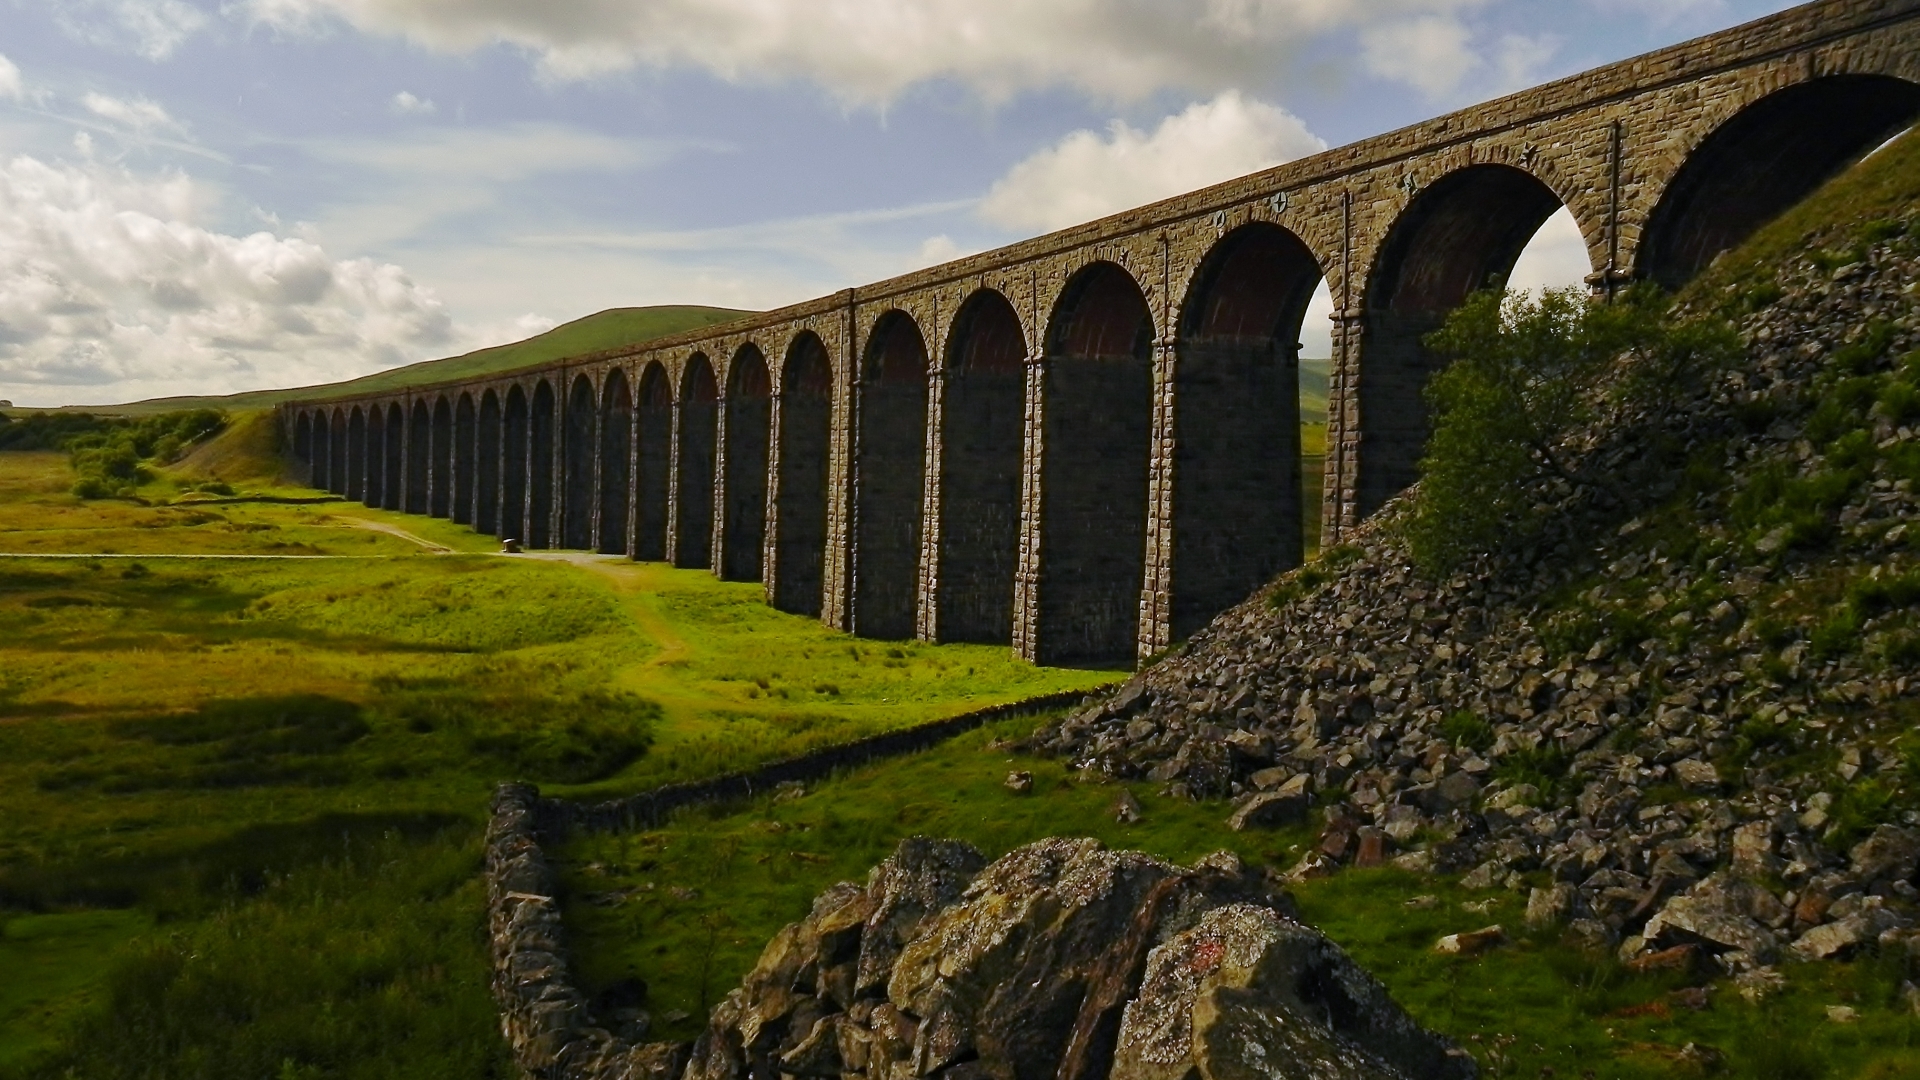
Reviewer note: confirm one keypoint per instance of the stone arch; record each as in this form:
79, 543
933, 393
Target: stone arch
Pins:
655, 486
465, 453
1761, 161
983, 426
806, 433
394, 457
376, 487
541, 425
1237, 485
419, 438
693, 499
1462, 233
616, 464
577, 453
486, 472
749, 429
1096, 444
890, 478
513, 484
337, 452
440, 463
356, 454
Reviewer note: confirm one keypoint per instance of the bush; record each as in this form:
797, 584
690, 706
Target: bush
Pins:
110, 455
1526, 372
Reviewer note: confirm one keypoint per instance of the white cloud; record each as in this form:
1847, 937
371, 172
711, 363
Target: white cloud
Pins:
405, 104
1432, 54
868, 51
1555, 258
111, 288
12, 86
1087, 175
149, 28
137, 113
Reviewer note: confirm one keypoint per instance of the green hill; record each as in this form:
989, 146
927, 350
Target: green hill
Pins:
610, 329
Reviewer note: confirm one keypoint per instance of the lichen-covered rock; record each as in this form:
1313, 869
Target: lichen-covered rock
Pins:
1248, 992
1023, 969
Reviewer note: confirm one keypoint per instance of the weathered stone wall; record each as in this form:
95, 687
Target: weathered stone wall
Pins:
1663, 160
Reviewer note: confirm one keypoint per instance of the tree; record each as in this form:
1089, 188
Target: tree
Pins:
1527, 371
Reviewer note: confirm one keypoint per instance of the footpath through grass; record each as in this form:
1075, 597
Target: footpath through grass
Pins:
244, 797
687, 908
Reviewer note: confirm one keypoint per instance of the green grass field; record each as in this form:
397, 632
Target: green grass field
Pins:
242, 795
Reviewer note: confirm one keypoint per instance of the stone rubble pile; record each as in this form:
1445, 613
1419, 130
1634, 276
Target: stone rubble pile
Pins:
1427, 724
1060, 961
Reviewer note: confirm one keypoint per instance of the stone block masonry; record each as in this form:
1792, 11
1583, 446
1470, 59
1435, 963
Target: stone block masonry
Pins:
1146, 474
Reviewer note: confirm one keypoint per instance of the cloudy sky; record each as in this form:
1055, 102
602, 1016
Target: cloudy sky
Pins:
213, 195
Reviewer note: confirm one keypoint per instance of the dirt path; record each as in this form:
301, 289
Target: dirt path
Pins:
395, 530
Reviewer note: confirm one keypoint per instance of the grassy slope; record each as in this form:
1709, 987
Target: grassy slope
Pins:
1541, 1005
610, 329
235, 839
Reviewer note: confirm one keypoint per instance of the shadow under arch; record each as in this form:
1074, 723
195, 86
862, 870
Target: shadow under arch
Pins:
891, 478
616, 465
800, 501
577, 450
1237, 490
337, 452
465, 432
1461, 234
376, 488
982, 440
356, 454
440, 465
654, 484
486, 473
1762, 161
749, 429
540, 480
1097, 409
513, 467
699, 421
419, 444
393, 456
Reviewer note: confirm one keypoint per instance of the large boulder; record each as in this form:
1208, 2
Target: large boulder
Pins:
1031, 968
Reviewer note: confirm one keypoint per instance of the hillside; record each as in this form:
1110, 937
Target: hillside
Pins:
1684, 724
610, 329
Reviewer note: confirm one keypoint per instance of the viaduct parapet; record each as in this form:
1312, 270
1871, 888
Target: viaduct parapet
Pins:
1087, 444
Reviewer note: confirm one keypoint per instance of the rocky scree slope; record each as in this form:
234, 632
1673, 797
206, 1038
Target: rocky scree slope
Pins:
1679, 725
1061, 960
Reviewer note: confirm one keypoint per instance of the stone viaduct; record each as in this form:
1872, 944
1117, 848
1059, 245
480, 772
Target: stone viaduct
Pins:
1087, 444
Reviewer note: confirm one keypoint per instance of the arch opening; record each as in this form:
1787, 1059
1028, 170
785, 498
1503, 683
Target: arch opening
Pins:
463, 461
577, 466
891, 487
419, 444
655, 482
393, 456
1238, 495
337, 453
486, 472
376, 489
982, 438
303, 442
440, 470
749, 419
1462, 234
540, 479
806, 407
699, 423
616, 464
1765, 159
321, 453
513, 485
356, 486
1097, 410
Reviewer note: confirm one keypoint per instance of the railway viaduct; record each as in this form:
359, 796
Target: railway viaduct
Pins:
1087, 444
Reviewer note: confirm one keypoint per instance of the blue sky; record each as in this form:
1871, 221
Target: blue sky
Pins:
214, 195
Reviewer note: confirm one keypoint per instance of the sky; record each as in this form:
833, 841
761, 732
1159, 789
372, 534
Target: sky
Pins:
208, 196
